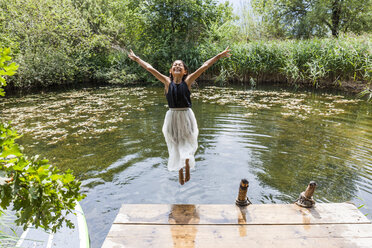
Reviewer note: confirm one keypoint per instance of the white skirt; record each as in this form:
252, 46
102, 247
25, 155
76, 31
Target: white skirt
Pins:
181, 133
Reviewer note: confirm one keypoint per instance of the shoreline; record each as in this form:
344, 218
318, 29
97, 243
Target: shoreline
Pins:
352, 88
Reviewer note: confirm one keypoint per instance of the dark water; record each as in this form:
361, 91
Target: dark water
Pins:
278, 140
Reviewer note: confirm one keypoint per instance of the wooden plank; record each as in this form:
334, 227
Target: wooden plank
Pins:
265, 214
325, 235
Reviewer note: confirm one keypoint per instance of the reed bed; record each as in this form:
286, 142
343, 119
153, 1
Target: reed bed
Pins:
315, 61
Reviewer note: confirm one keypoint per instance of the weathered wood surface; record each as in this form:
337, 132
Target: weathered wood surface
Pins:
279, 225
231, 214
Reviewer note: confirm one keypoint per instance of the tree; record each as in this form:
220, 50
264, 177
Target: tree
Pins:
36, 190
307, 18
50, 40
171, 28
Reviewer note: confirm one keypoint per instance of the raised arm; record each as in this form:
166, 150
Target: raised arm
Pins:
193, 76
162, 78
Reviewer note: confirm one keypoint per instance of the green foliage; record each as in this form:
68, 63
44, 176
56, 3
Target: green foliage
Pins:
53, 43
75, 41
72, 41
251, 27
315, 61
367, 92
173, 28
305, 19
36, 190
6, 68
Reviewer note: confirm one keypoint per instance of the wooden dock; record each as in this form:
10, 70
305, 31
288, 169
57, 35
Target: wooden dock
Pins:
267, 225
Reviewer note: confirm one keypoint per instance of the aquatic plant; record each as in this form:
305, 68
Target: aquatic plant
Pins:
293, 105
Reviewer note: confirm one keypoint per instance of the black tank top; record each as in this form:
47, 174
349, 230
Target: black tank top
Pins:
178, 95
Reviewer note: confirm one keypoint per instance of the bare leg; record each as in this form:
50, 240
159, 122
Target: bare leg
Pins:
187, 171
180, 176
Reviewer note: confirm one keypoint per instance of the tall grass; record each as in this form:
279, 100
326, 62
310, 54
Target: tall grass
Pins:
315, 61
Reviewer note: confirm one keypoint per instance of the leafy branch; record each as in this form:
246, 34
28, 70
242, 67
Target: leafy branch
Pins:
40, 193
6, 68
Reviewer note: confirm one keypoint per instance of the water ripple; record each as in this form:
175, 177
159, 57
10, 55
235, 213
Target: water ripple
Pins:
111, 138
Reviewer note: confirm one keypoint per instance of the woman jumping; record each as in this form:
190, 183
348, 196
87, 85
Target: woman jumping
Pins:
180, 128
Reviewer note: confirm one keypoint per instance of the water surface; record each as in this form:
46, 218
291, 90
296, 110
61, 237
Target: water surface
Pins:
279, 140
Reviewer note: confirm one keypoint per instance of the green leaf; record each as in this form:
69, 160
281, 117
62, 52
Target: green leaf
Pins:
361, 206
43, 171
55, 177
13, 150
68, 178
6, 51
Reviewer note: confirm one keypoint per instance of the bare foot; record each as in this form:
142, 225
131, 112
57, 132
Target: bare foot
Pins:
180, 176
187, 172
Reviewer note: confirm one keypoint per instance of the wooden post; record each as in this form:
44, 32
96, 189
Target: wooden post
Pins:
306, 198
242, 199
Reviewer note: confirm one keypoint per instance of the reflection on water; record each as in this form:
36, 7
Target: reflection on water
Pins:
278, 140
179, 216
242, 220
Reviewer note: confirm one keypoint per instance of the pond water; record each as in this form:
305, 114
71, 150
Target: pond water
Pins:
279, 140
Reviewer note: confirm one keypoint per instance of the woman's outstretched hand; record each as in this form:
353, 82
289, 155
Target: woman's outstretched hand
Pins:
225, 53
132, 56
